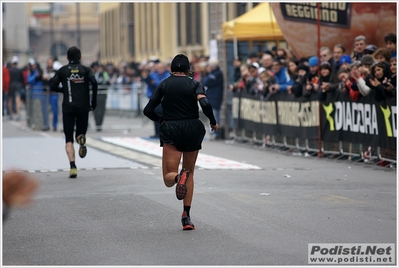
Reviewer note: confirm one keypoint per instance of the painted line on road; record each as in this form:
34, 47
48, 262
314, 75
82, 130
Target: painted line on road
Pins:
152, 148
124, 152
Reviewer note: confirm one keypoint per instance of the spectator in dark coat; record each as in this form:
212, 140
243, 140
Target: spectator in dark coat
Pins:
327, 82
380, 81
214, 85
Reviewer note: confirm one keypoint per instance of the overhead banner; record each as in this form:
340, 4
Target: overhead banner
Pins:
335, 14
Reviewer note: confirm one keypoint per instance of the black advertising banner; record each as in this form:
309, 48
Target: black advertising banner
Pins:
366, 121
281, 115
335, 14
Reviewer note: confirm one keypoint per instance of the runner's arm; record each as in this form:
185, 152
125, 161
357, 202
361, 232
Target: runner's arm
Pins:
206, 108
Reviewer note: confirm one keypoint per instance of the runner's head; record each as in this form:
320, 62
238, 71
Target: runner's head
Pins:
180, 63
74, 53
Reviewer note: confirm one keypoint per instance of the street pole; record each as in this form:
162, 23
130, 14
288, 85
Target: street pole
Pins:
78, 25
51, 27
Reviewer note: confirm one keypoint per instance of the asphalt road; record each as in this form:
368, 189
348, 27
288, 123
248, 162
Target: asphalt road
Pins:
118, 211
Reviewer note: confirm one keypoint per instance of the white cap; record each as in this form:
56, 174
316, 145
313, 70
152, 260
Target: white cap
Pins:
31, 61
15, 59
213, 62
255, 64
57, 65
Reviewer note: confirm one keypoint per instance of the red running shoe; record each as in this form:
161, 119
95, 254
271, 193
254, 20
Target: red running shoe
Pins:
186, 222
181, 188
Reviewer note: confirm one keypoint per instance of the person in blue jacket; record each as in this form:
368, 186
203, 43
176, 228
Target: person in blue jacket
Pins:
283, 79
214, 85
153, 80
35, 81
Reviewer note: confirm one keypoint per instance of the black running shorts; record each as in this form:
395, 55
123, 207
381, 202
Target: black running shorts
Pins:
185, 135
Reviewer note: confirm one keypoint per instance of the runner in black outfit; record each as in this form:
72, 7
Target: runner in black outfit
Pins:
181, 131
76, 80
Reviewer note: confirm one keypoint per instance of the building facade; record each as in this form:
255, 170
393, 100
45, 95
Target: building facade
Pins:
49, 29
162, 29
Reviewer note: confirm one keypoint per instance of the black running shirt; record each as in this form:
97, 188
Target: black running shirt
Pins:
178, 95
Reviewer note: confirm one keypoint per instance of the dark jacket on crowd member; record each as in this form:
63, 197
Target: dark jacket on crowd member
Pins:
381, 93
331, 79
214, 84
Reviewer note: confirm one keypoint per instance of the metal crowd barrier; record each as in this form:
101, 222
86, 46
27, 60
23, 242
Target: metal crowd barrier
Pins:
352, 152
127, 100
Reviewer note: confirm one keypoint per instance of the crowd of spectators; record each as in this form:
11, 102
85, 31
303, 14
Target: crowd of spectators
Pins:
365, 69
357, 73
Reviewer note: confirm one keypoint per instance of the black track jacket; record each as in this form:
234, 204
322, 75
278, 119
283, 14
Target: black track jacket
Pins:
76, 80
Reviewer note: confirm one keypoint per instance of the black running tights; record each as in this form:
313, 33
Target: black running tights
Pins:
69, 119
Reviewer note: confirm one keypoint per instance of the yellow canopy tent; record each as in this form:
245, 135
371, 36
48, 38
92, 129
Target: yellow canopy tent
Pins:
258, 23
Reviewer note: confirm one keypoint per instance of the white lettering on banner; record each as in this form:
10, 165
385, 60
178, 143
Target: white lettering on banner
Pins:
298, 114
362, 118
345, 117
258, 111
309, 114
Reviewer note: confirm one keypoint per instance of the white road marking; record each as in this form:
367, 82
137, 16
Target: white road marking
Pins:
151, 148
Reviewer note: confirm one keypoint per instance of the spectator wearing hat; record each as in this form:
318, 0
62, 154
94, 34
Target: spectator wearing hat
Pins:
382, 54
283, 79
302, 86
327, 81
313, 76
214, 85
360, 44
253, 80
370, 49
362, 73
345, 61
390, 43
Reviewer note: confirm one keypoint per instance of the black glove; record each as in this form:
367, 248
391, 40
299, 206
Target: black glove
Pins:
93, 106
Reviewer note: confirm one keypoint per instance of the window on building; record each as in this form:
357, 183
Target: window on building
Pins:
131, 32
193, 27
58, 49
179, 25
58, 9
241, 8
